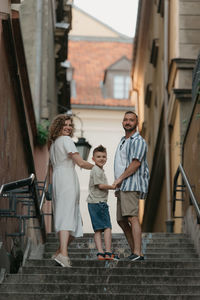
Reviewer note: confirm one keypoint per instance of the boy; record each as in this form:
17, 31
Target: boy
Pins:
97, 204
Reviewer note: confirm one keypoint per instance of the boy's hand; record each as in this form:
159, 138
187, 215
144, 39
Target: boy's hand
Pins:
113, 186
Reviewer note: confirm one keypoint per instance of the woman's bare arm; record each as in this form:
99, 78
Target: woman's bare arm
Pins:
77, 159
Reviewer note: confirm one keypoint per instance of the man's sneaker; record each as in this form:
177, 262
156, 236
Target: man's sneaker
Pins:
134, 257
62, 260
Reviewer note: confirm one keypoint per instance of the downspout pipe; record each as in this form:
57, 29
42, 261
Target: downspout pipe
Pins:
169, 221
39, 49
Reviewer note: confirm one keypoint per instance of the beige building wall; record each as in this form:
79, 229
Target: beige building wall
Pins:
174, 30
183, 47
37, 24
175, 154
89, 26
189, 28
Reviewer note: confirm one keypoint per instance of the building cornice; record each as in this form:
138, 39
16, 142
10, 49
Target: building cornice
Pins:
176, 65
100, 39
102, 107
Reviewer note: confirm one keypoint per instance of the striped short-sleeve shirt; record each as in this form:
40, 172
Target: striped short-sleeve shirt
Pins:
136, 148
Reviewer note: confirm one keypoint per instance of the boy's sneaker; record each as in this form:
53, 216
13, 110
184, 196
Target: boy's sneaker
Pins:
134, 257
62, 260
100, 256
111, 256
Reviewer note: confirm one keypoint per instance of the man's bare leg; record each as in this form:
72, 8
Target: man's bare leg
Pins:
128, 233
136, 234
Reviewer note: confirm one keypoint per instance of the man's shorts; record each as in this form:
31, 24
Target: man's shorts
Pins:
99, 214
127, 204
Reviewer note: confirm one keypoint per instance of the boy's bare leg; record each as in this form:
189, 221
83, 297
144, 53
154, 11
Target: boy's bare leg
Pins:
98, 242
107, 239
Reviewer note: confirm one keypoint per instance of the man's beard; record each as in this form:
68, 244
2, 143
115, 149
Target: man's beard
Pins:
130, 128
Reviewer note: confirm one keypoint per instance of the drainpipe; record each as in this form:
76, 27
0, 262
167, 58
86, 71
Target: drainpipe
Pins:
38, 79
169, 222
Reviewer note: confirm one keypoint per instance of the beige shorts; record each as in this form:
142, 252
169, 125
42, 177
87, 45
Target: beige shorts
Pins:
127, 204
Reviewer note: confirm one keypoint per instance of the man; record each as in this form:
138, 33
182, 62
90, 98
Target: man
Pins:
131, 178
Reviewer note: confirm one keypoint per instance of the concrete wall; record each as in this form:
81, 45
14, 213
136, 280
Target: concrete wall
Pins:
183, 46
191, 161
189, 28
37, 23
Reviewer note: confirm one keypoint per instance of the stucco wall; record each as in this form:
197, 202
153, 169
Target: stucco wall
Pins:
175, 154
13, 160
189, 28
191, 161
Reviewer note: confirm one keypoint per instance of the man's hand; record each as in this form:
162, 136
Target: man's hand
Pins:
117, 182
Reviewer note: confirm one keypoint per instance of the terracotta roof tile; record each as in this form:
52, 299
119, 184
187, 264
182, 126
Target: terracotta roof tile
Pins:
90, 60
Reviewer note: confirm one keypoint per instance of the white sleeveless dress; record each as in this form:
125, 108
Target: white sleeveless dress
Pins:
66, 189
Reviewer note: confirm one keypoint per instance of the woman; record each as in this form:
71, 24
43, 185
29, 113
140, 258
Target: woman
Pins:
66, 190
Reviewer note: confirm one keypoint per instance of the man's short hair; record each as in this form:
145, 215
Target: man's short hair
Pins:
131, 112
100, 148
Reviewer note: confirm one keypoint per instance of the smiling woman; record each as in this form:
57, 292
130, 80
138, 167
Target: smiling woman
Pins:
66, 190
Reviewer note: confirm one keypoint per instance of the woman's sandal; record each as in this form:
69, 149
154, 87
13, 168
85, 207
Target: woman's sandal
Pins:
111, 256
100, 256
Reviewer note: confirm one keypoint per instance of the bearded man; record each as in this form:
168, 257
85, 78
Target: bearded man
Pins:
131, 178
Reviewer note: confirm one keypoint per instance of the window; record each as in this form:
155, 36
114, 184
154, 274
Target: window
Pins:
121, 86
154, 52
148, 95
161, 7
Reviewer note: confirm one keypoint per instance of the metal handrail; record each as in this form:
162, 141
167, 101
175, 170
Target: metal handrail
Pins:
43, 194
33, 188
17, 184
187, 184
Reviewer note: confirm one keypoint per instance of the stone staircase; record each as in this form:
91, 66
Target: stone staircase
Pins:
171, 270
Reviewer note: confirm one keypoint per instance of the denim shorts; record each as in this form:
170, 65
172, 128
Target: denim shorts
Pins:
99, 214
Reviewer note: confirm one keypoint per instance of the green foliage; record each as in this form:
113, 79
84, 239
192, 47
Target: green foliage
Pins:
42, 132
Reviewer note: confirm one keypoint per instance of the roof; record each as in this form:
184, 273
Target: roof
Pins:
90, 59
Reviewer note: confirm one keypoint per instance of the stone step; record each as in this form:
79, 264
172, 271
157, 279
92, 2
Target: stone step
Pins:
85, 247
126, 279
121, 235
95, 296
133, 270
118, 241
169, 245
176, 263
158, 289
92, 255
144, 250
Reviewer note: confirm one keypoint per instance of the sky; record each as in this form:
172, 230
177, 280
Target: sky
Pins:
121, 15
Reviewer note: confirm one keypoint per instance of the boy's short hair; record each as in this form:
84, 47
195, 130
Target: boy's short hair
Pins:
100, 148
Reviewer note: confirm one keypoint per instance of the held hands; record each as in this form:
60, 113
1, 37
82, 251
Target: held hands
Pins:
113, 187
117, 183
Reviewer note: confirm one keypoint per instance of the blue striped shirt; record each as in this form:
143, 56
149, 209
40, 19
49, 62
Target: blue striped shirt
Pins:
136, 148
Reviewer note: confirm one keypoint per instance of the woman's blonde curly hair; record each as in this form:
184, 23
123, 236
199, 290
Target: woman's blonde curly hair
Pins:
55, 129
